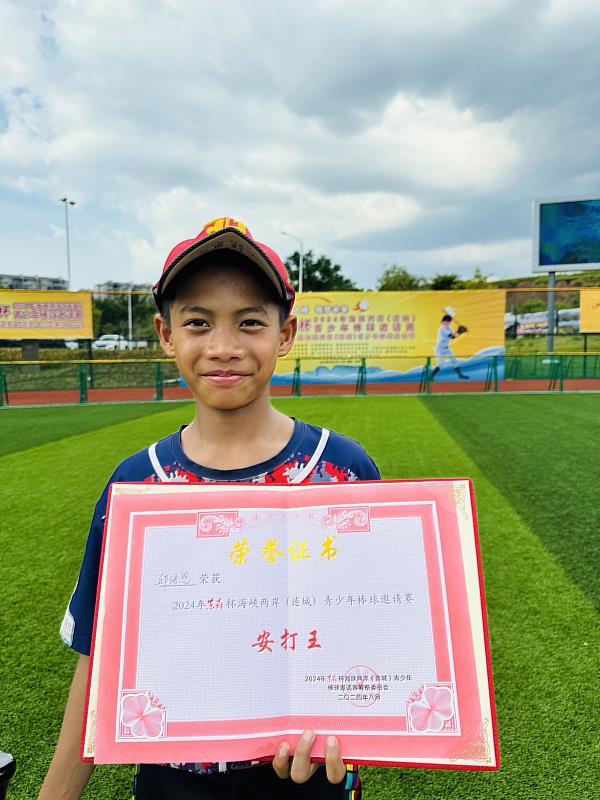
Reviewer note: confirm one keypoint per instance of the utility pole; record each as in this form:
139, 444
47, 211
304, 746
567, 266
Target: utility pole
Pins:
301, 266
129, 315
551, 311
68, 203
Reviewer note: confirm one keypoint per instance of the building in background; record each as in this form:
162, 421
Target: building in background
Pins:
32, 282
100, 289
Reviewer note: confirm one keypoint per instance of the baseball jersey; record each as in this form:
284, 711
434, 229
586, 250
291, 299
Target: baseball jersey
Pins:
312, 455
444, 335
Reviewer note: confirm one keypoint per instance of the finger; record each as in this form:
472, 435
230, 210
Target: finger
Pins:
281, 761
334, 766
302, 769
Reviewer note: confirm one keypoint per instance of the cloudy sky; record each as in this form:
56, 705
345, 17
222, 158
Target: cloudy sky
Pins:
378, 133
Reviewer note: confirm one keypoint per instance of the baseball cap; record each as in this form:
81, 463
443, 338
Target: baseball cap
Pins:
225, 233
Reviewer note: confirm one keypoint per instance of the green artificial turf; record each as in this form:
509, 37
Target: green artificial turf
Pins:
23, 428
545, 633
543, 454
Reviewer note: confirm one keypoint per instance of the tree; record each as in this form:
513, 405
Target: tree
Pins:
531, 304
398, 279
320, 275
478, 281
442, 282
111, 316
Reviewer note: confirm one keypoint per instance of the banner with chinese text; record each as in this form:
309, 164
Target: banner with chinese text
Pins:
45, 315
395, 332
589, 321
232, 617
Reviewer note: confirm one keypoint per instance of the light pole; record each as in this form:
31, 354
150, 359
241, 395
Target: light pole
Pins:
68, 203
129, 315
301, 266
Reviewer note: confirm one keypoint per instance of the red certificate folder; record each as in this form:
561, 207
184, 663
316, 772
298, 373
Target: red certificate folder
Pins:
231, 617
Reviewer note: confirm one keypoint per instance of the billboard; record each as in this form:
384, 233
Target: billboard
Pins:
589, 320
45, 315
566, 234
566, 320
395, 332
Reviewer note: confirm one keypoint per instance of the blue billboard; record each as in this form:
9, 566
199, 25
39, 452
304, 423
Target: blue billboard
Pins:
566, 234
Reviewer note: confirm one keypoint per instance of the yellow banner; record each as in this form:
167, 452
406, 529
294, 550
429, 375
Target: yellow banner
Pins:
589, 319
338, 327
45, 315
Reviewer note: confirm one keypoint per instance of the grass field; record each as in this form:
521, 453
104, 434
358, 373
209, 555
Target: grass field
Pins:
534, 462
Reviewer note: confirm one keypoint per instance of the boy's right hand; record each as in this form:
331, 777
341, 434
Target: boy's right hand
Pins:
301, 767
68, 775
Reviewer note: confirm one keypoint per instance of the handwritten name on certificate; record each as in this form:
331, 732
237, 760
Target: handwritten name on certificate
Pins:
232, 617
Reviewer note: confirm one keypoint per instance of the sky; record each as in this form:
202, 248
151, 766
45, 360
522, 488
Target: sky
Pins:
404, 133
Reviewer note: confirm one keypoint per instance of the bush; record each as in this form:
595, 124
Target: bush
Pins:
58, 354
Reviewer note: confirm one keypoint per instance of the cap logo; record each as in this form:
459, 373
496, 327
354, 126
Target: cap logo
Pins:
223, 222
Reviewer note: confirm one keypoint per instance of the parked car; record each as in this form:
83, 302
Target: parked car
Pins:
114, 341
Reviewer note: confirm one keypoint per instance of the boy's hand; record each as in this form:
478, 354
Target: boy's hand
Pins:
301, 768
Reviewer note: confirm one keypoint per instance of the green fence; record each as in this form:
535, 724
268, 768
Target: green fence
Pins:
158, 379
83, 378
542, 366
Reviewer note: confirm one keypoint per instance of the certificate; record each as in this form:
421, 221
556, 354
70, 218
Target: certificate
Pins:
231, 617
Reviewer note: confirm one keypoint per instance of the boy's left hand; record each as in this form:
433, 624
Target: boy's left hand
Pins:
302, 768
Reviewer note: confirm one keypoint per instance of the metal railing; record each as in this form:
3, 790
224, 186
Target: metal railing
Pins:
32, 382
82, 381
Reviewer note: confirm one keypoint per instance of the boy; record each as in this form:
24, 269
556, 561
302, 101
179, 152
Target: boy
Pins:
225, 303
442, 350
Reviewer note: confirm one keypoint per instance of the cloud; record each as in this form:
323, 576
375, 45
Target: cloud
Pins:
420, 129
175, 215
494, 257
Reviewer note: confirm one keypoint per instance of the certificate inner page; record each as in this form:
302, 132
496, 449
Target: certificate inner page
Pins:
283, 613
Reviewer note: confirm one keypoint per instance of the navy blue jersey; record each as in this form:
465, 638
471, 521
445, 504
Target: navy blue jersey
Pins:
311, 455
341, 460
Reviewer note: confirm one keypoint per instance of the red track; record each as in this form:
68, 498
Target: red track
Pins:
181, 393
95, 395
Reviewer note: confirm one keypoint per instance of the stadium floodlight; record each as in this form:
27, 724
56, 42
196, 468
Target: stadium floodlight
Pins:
68, 203
301, 265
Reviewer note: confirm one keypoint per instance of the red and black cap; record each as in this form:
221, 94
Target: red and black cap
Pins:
225, 233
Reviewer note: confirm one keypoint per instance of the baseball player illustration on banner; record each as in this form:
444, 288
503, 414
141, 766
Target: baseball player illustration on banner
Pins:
445, 334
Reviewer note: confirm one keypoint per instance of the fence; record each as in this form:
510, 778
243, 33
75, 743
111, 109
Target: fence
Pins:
89, 381
42, 382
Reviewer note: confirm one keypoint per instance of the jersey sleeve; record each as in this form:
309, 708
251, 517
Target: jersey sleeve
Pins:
365, 468
77, 624
350, 460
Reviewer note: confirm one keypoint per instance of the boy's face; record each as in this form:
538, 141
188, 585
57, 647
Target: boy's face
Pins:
226, 335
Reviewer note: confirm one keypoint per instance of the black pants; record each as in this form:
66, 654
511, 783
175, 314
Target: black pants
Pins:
154, 782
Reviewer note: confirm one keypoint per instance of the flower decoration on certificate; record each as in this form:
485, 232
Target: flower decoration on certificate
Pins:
231, 617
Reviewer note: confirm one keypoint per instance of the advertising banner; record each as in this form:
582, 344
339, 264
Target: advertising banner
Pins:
231, 618
395, 332
589, 320
45, 315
